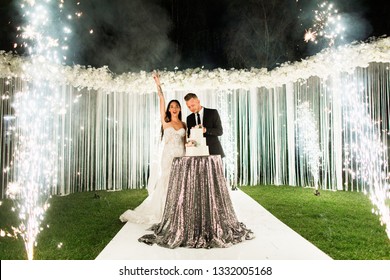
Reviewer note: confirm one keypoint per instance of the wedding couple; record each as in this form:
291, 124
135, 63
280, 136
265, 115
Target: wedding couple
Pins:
174, 137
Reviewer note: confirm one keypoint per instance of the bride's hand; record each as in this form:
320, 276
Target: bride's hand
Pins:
156, 77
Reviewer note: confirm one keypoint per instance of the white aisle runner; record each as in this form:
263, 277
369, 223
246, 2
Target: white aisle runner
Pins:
274, 240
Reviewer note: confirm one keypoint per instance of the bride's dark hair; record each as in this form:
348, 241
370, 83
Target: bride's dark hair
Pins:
168, 116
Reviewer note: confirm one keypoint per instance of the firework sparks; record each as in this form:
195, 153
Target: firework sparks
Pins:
327, 24
45, 36
308, 140
366, 156
310, 35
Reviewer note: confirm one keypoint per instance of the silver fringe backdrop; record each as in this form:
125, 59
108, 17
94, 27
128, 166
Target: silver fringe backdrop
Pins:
322, 123
107, 140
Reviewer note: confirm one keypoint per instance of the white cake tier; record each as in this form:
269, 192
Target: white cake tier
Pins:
201, 148
196, 134
197, 151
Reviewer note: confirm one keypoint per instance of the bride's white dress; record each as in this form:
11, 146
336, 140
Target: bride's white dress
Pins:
150, 211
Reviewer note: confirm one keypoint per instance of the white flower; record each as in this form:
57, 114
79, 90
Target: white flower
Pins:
102, 79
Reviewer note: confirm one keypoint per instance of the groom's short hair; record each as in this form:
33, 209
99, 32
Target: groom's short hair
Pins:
190, 96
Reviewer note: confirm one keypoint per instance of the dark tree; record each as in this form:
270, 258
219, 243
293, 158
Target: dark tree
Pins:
261, 33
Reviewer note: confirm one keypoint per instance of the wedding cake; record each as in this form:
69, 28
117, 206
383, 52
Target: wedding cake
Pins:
196, 145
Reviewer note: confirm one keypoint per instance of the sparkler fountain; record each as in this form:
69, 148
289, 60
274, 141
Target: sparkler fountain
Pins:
308, 140
230, 171
38, 109
365, 159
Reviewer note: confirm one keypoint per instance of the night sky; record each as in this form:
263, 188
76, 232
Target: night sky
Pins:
138, 35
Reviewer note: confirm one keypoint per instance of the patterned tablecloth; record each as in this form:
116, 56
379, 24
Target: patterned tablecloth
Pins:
198, 210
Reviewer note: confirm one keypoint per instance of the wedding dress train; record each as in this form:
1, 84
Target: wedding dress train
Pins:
150, 211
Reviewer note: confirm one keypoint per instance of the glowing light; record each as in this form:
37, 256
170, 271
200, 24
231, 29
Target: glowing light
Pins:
327, 24
366, 160
228, 141
67, 30
310, 35
308, 139
36, 112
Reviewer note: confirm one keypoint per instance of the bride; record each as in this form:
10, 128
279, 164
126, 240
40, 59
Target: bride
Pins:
150, 211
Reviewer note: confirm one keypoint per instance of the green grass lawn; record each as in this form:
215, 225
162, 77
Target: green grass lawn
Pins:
339, 223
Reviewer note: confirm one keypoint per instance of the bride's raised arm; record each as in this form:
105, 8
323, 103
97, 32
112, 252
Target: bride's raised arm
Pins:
156, 78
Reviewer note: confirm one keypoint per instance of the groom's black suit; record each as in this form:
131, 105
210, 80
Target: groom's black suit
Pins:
212, 122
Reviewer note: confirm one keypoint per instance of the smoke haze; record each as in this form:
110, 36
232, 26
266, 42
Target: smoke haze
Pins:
134, 35
127, 35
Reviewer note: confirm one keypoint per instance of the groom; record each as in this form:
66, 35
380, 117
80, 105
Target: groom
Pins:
209, 119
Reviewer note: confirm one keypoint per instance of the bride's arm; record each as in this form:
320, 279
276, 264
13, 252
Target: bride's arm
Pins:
156, 78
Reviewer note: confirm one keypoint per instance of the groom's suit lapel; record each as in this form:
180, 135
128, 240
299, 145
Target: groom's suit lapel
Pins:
206, 117
193, 121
